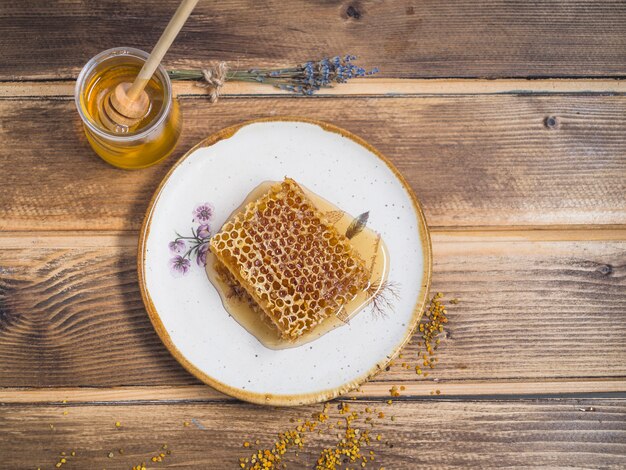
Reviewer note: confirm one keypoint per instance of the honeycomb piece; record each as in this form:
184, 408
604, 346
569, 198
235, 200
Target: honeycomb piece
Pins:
290, 260
236, 290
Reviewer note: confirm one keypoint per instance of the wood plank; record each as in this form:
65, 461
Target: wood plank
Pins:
494, 234
503, 233
472, 160
424, 434
529, 311
357, 87
375, 389
405, 39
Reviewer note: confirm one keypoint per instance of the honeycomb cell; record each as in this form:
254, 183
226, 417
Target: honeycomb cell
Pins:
296, 268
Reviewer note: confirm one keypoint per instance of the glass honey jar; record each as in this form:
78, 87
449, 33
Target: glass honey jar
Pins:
144, 143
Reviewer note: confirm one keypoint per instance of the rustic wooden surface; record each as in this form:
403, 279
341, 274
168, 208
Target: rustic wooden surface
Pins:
473, 160
425, 434
405, 38
75, 301
523, 183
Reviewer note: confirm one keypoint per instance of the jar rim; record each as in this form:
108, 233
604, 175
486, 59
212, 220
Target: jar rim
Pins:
102, 57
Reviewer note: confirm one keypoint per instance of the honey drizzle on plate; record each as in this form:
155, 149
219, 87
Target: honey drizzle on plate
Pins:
367, 243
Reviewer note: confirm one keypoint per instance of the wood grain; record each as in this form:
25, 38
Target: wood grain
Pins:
472, 160
529, 311
424, 434
406, 38
356, 87
375, 389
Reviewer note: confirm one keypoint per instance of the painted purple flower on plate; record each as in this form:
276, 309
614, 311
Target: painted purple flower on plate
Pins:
203, 212
201, 257
177, 246
186, 248
204, 231
179, 266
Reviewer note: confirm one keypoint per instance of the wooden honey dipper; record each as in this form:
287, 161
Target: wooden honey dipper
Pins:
128, 103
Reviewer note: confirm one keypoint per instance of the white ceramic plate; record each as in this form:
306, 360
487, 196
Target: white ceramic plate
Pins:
185, 308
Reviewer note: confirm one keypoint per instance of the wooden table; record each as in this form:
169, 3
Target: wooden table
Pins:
507, 118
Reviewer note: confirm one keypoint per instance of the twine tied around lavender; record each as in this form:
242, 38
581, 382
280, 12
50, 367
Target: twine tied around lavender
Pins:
214, 78
305, 79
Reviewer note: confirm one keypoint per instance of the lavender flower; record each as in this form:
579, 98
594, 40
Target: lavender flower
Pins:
179, 266
306, 78
203, 212
177, 246
203, 231
201, 255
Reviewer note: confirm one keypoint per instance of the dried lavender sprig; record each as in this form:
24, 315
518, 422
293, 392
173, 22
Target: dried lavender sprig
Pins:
306, 78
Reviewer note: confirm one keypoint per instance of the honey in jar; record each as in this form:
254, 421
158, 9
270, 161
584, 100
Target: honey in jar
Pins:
143, 143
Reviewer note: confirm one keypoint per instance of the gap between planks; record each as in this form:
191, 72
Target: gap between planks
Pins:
370, 390
357, 87
87, 239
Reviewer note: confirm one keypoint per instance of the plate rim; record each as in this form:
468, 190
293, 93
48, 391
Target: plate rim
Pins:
283, 399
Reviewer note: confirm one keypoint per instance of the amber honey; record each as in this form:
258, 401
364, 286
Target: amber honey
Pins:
148, 141
369, 246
